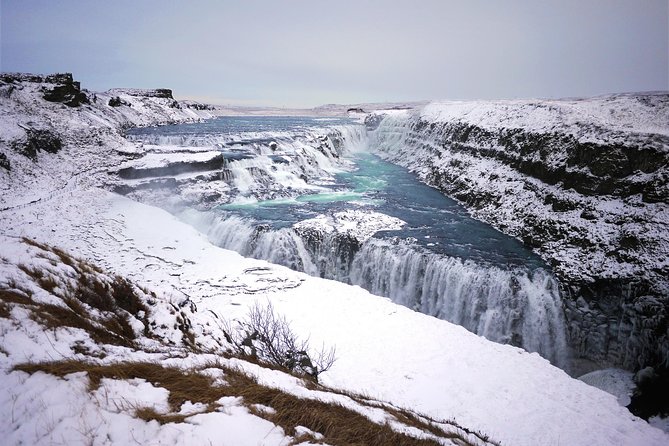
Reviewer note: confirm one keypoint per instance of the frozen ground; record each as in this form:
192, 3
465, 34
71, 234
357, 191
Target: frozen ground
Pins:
384, 350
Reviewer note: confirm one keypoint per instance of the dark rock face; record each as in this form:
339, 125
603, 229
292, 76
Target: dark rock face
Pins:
617, 322
36, 141
161, 93
20, 77
197, 105
164, 93
651, 396
117, 102
215, 163
589, 168
4, 162
372, 121
333, 253
66, 90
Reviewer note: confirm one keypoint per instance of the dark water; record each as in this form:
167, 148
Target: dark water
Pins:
436, 222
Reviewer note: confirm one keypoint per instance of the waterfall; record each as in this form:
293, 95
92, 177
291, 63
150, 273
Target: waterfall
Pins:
282, 247
514, 305
517, 306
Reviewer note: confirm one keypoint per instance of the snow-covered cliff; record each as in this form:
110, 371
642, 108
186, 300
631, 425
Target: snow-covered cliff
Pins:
72, 393
584, 182
51, 142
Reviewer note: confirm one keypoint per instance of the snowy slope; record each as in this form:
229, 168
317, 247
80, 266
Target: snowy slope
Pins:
87, 381
384, 350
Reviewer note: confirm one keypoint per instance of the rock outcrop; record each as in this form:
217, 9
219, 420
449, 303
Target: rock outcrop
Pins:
38, 140
59, 87
164, 93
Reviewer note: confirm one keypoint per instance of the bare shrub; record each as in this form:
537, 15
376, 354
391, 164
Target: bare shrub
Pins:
267, 337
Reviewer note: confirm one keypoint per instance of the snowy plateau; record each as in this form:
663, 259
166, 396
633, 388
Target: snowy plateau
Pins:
117, 310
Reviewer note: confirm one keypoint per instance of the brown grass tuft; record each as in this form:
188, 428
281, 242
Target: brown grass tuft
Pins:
338, 424
149, 414
15, 297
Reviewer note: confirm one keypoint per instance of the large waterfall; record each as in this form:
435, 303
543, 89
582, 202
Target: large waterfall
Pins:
393, 241
517, 305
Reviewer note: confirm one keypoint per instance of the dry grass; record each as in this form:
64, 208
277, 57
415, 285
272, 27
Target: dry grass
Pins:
116, 299
149, 413
114, 330
338, 424
109, 328
64, 257
407, 417
15, 296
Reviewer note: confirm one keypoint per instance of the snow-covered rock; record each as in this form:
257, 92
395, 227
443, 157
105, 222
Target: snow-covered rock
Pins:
357, 224
384, 350
584, 182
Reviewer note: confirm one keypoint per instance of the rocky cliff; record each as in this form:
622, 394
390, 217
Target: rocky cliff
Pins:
51, 131
584, 182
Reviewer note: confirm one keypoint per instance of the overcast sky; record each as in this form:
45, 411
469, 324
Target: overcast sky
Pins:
307, 53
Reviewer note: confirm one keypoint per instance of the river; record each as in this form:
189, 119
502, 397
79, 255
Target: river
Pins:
425, 251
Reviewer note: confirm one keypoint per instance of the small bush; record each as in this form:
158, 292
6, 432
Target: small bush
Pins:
267, 337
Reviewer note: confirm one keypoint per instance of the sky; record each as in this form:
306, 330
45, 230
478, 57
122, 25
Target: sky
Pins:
309, 53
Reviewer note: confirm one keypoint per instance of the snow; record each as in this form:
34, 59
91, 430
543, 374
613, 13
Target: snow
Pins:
617, 382
359, 224
612, 113
384, 350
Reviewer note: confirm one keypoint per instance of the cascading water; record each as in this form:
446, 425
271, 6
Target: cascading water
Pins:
516, 306
393, 236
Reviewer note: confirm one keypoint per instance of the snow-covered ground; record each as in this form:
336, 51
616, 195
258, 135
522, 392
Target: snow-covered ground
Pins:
383, 350
619, 114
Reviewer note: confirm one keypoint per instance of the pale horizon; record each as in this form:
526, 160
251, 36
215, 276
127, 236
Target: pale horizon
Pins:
302, 55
